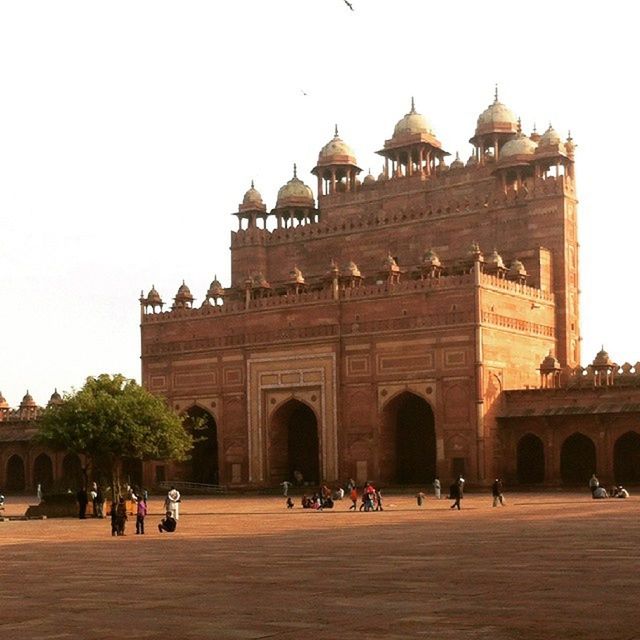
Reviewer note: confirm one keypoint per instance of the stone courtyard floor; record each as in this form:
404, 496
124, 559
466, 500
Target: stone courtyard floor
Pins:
546, 566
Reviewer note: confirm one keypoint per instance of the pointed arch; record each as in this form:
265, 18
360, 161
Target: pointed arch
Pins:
626, 458
72, 476
204, 465
577, 459
407, 452
530, 459
43, 472
16, 480
294, 443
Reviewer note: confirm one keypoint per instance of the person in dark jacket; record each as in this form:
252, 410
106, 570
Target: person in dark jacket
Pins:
496, 492
83, 500
455, 494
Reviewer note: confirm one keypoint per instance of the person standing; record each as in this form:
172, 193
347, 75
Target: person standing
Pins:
83, 500
173, 503
39, 493
378, 500
420, 498
436, 488
141, 512
98, 503
496, 491
353, 495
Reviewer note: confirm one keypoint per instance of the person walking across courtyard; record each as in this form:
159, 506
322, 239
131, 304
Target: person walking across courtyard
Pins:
420, 498
83, 500
455, 493
285, 487
497, 492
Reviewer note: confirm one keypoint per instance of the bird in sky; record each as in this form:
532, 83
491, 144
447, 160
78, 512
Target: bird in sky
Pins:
303, 92
349, 4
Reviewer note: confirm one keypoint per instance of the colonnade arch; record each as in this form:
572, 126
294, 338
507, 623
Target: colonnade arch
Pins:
626, 458
530, 460
43, 472
407, 441
16, 479
577, 459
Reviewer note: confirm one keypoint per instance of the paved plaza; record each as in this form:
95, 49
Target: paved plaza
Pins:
553, 565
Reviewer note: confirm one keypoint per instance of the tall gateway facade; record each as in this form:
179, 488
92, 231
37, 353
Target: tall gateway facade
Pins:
373, 334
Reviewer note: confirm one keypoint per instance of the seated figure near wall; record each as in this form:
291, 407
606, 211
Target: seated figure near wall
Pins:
599, 493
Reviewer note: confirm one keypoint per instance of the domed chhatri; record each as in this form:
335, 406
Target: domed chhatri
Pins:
153, 297
496, 118
252, 200
336, 151
602, 359
412, 122
413, 149
295, 193
183, 299
27, 400
337, 167
521, 145
550, 143
55, 398
3, 402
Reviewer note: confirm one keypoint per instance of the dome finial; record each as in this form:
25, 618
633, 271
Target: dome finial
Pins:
495, 95
295, 170
535, 128
413, 105
335, 135
519, 125
569, 138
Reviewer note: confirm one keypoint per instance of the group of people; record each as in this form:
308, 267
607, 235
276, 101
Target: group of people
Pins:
598, 492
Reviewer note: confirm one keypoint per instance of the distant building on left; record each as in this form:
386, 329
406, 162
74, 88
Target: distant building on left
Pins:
24, 464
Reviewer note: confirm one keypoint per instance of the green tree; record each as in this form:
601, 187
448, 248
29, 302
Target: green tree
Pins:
112, 418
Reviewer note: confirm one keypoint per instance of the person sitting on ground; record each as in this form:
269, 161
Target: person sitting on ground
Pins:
338, 494
621, 492
306, 502
168, 523
289, 503
594, 483
599, 493
327, 503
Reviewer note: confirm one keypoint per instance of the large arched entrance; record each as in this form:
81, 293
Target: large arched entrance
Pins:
294, 448
72, 476
530, 460
407, 450
43, 472
15, 474
577, 459
204, 467
626, 458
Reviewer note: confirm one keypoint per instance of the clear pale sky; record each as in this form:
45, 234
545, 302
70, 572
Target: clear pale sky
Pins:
129, 132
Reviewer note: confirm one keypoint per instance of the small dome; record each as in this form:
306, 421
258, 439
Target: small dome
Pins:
260, 281
183, 296
153, 297
496, 118
252, 197
457, 163
496, 260
412, 122
3, 402
216, 290
431, 258
336, 151
472, 160
602, 359
517, 269
550, 363
551, 141
295, 193
390, 263
55, 398
369, 179
295, 276
521, 145
28, 400
352, 270
383, 176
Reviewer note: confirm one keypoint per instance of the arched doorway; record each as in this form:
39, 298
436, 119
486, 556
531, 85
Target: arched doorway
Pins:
577, 459
203, 466
72, 476
530, 460
407, 451
626, 458
15, 474
43, 472
293, 444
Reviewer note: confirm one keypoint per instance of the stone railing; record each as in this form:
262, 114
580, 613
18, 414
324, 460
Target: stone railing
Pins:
618, 375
